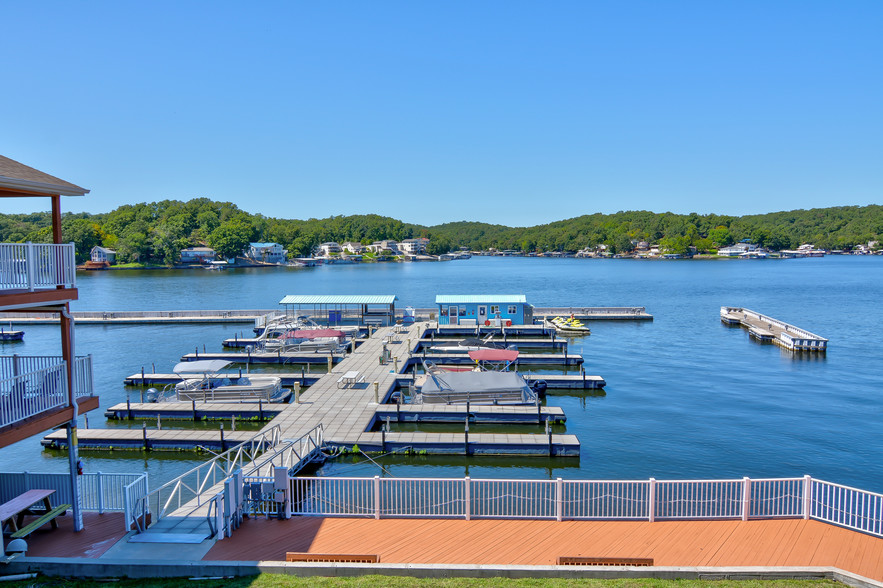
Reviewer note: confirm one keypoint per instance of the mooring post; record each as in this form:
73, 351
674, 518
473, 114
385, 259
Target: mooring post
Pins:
158, 422
539, 410
260, 409
142, 395
193, 408
330, 361
223, 448
144, 436
399, 408
233, 423
376, 393
197, 352
466, 437
142, 375
297, 392
129, 406
549, 432
395, 364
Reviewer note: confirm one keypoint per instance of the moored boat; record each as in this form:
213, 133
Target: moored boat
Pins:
203, 381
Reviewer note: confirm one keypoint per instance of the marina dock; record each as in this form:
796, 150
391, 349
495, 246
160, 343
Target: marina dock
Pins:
149, 439
767, 329
395, 413
580, 381
349, 412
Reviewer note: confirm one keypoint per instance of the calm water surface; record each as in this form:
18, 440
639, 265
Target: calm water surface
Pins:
687, 397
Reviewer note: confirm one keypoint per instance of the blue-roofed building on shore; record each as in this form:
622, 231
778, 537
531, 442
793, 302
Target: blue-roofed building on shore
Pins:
378, 310
484, 309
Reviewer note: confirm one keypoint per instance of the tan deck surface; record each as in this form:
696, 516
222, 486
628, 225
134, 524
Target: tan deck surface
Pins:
792, 542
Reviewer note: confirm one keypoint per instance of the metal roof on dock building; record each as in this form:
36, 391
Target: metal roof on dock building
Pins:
480, 299
338, 299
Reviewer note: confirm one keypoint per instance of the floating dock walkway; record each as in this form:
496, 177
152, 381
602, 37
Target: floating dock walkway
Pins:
580, 381
767, 329
348, 412
150, 439
396, 413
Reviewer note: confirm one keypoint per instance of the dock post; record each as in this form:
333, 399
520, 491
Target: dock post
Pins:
128, 407
142, 395
539, 410
376, 393
144, 436
395, 364
330, 361
233, 423
549, 432
240, 372
223, 449
466, 437
197, 352
260, 409
158, 422
297, 392
193, 406
142, 375
302, 378
399, 408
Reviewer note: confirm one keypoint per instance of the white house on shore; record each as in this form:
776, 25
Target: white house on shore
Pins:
197, 255
414, 246
103, 254
353, 247
737, 250
385, 245
328, 249
267, 252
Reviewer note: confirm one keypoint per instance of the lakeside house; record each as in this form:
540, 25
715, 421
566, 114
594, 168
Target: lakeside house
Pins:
387, 246
414, 246
329, 249
266, 253
101, 254
472, 309
197, 255
353, 247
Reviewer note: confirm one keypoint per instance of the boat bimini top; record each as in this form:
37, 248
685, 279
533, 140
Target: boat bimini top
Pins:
203, 366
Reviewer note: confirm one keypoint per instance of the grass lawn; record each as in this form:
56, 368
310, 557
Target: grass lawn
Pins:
280, 581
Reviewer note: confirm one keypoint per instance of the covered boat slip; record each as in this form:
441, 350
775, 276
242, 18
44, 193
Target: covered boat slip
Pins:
475, 387
376, 310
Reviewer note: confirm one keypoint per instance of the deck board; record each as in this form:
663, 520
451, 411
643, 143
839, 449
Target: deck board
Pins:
791, 542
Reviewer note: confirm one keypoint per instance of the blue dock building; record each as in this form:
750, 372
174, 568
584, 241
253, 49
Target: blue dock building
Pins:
484, 309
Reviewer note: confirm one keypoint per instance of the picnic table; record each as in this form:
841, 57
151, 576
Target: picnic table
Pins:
15, 510
348, 379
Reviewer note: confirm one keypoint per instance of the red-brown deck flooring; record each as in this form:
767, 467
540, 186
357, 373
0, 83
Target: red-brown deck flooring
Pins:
100, 533
792, 542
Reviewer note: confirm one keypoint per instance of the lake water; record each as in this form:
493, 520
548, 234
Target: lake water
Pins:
687, 397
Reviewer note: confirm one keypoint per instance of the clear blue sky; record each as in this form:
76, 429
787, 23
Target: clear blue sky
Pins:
511, 112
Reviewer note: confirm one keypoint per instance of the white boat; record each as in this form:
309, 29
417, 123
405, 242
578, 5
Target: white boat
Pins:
203, 381
307, 340
468, 344
478, 385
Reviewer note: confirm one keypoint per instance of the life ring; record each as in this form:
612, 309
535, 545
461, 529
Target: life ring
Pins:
508, 323
487, 323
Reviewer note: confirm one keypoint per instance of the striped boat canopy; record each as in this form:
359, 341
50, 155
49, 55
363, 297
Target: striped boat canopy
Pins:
338, 299
481, 299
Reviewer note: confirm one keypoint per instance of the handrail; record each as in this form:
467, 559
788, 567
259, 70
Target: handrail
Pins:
648, 500
189, 488
32, 266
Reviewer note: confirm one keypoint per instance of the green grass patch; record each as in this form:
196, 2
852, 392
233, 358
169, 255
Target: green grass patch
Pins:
372, 581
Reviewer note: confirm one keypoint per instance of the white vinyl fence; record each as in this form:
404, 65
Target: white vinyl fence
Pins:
559, 499
34, 266
99, 492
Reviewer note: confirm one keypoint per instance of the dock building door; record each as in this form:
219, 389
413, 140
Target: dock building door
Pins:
482, 314
453, 316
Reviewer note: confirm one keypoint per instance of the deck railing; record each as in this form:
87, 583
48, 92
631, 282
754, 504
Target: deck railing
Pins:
30, 385
194, 489
648, 500
99, 492
36, 266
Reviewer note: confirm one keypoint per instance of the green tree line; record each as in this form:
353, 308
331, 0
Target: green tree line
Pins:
155, 233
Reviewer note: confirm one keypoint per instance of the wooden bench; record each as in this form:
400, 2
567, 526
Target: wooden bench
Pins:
604, 561
49, 516
333, 557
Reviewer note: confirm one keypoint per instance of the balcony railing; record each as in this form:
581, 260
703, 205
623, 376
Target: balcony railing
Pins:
30, 385
37, 266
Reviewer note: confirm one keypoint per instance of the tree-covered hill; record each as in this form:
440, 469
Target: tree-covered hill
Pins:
156, 232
